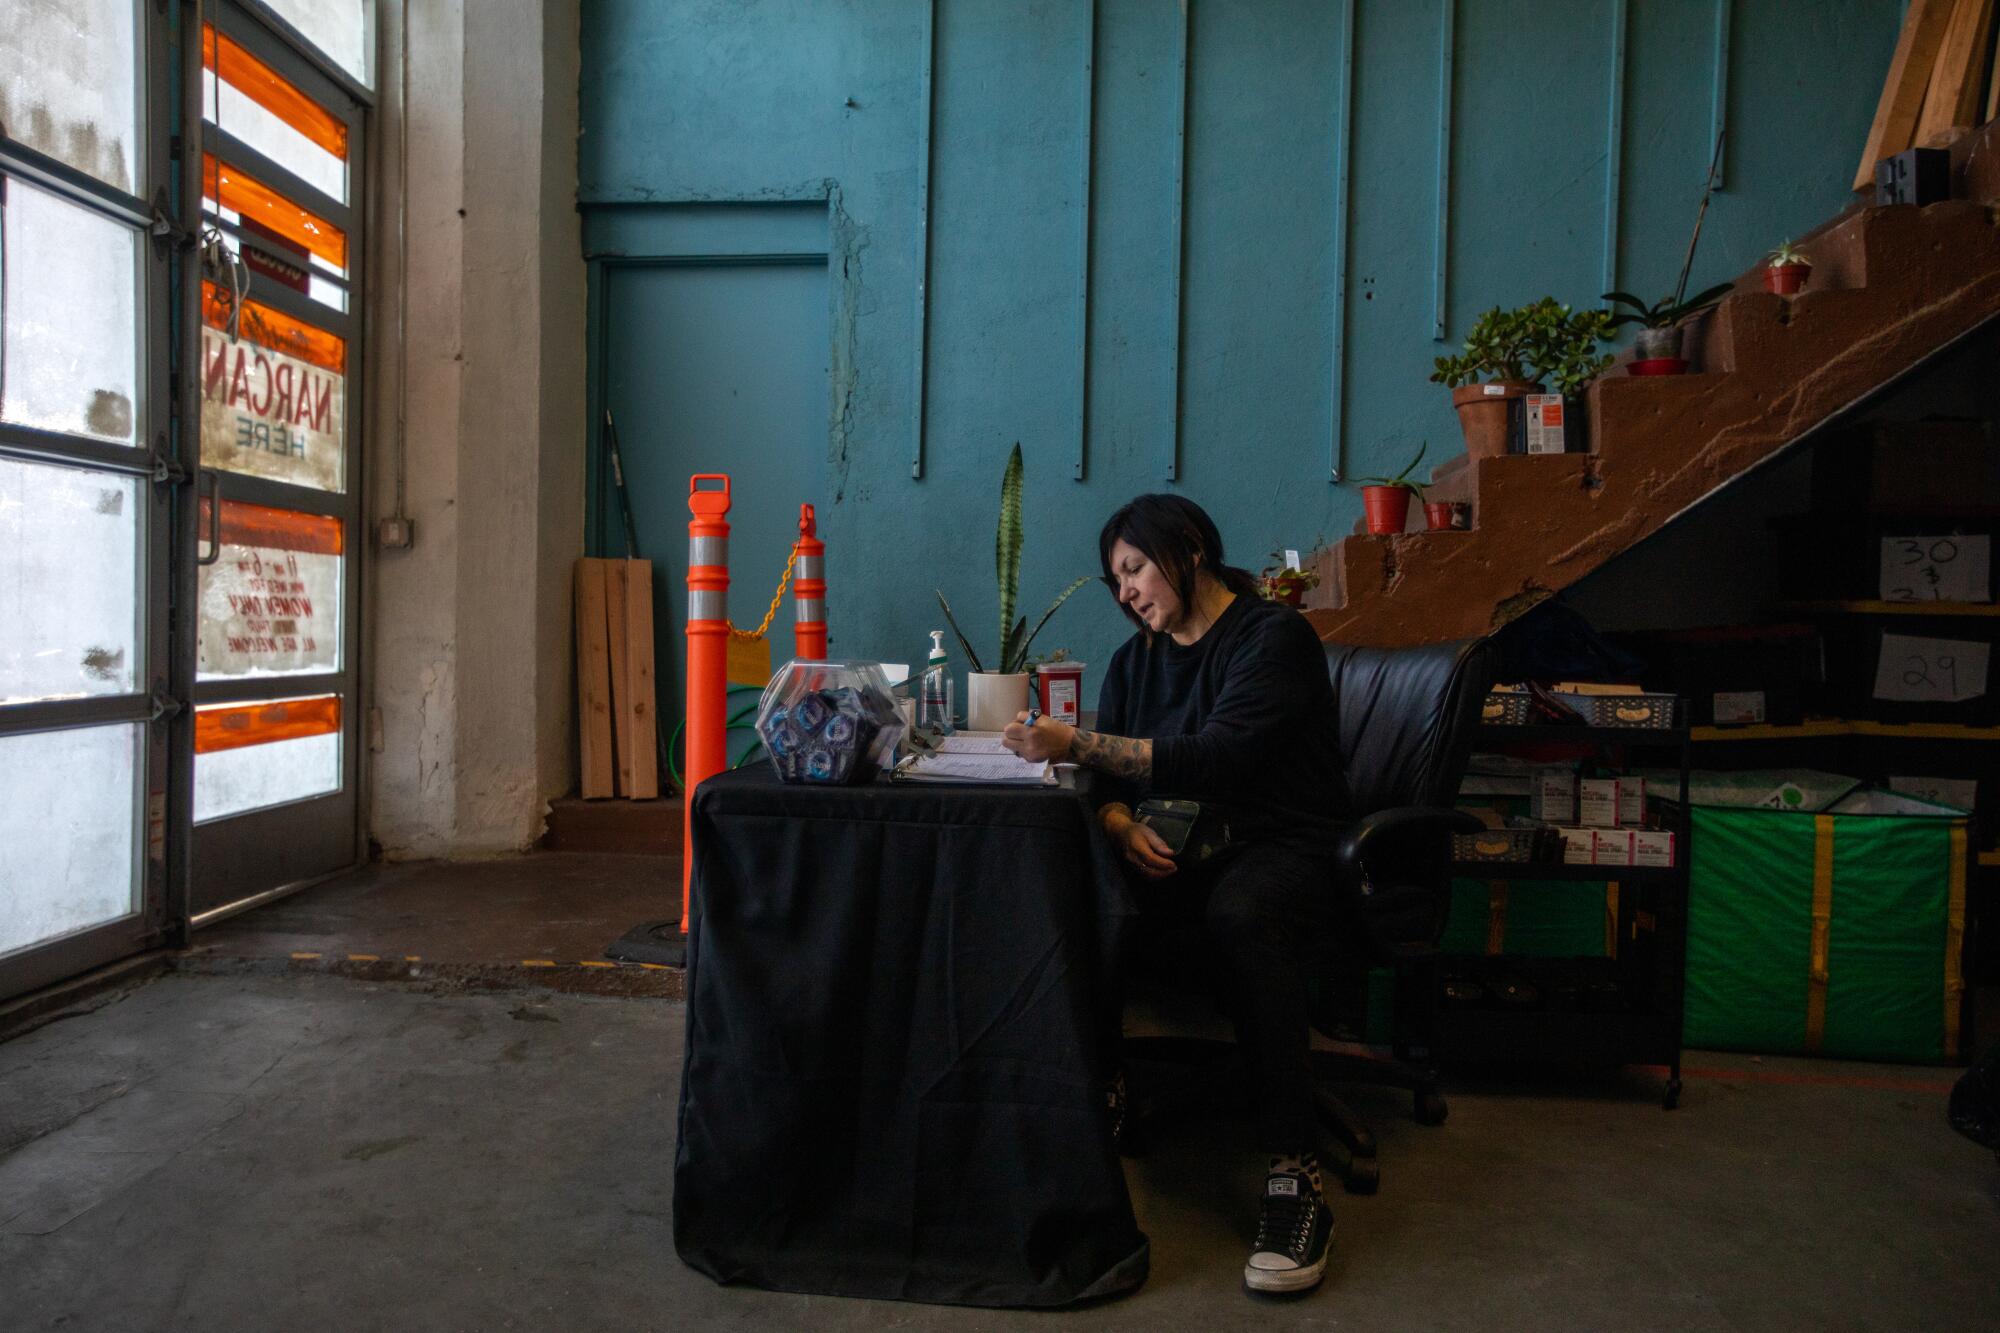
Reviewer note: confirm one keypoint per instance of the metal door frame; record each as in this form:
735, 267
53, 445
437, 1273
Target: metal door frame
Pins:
157, 457
239, 861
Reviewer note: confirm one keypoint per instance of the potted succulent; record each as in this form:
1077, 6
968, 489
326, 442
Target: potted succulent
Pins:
1786, 269
1279, 582
994, 698
1508, 354
1657, 349
1386, 500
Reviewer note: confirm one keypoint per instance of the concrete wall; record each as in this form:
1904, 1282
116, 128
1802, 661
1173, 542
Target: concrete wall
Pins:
1053, 137
470, 645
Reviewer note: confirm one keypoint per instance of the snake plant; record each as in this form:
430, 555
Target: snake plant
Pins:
1015, 636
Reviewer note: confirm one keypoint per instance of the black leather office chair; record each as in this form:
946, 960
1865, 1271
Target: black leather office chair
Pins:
1408, 717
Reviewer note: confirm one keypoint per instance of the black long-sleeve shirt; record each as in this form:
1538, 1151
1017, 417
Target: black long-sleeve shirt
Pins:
1241, 718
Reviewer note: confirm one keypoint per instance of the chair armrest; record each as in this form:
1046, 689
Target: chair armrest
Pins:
1407, 831
1396, 865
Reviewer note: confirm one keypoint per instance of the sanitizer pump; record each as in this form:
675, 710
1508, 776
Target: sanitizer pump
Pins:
934, 694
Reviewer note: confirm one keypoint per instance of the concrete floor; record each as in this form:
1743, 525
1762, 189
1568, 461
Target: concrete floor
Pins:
262, 1145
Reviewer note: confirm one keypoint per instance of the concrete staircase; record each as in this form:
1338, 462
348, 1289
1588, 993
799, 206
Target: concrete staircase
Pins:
1890, 288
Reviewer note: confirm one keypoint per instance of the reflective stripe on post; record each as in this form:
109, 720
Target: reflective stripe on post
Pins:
809, 591
707, 656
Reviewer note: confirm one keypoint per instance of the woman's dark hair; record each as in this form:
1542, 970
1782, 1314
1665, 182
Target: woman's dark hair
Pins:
1177, 535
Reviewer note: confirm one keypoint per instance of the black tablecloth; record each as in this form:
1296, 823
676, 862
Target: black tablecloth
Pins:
893, 1085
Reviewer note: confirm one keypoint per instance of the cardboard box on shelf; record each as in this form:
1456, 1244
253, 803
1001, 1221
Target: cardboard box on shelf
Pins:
1611, 847
1735, 708
1597, 802
1631, 801
1555, 796
1579, 846
1652, 847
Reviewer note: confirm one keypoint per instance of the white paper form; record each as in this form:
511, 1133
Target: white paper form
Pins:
973, 756
1920, 670
1937, 569
1001, 768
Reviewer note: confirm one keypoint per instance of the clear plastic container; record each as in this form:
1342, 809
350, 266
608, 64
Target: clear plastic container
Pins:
829, 722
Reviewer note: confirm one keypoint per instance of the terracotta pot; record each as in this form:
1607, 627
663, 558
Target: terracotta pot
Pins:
1387, 508
1659, 365
1447, 515
1482, 414
1786, 279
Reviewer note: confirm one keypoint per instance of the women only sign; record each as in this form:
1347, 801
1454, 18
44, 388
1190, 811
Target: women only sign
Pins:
270, 604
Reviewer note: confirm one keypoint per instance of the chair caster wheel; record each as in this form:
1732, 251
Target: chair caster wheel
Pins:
1431, 1109
1363, 1176
1672, 1096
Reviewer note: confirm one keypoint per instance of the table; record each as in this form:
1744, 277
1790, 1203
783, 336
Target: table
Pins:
894, 1080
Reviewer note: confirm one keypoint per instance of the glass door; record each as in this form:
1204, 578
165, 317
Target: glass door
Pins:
88, 479
276, 759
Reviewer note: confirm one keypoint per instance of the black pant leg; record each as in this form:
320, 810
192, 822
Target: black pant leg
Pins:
1270, 909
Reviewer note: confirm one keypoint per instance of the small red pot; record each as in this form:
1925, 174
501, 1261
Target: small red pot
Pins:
1786, 279
1659, 365
1445, 515
1387, 508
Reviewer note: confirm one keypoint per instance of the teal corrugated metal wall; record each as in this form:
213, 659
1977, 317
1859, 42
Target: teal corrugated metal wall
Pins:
1213, 240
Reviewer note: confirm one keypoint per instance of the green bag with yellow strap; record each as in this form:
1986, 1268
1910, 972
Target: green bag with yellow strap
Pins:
1825, 934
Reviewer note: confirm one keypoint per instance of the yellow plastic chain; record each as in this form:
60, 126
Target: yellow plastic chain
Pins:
771, 612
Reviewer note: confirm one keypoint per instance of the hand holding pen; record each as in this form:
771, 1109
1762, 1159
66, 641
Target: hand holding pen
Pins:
1036, 737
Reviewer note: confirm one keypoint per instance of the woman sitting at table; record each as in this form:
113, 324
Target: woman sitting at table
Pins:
1223, 699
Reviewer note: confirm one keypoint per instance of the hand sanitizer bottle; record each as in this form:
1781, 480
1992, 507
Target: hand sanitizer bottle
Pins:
934, 693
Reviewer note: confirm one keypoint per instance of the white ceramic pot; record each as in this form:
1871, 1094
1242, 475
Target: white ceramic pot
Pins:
992, 700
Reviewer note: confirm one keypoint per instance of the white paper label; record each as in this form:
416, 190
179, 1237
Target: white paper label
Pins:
1291, 559
1545, 424
1493, 390
1960, 792
1936, 569
1919, 670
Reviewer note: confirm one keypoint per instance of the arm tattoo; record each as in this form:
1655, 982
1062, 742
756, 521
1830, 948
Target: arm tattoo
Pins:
1118, 755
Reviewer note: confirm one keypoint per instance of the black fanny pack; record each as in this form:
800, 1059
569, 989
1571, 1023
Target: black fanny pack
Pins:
1194, 833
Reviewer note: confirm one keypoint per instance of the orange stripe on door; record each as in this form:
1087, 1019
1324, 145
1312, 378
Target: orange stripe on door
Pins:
250, 198
272, 91
233, 726
269, 327
285, 529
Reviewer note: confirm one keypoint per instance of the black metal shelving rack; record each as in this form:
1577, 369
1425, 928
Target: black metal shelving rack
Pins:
1643, 1025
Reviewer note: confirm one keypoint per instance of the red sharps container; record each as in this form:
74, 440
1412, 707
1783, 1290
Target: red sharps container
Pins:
1061, 688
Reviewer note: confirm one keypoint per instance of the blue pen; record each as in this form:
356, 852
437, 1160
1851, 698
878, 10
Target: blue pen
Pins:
1034, 716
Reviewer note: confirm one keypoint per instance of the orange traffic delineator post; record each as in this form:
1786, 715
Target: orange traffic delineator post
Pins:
809, 591
707, 656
